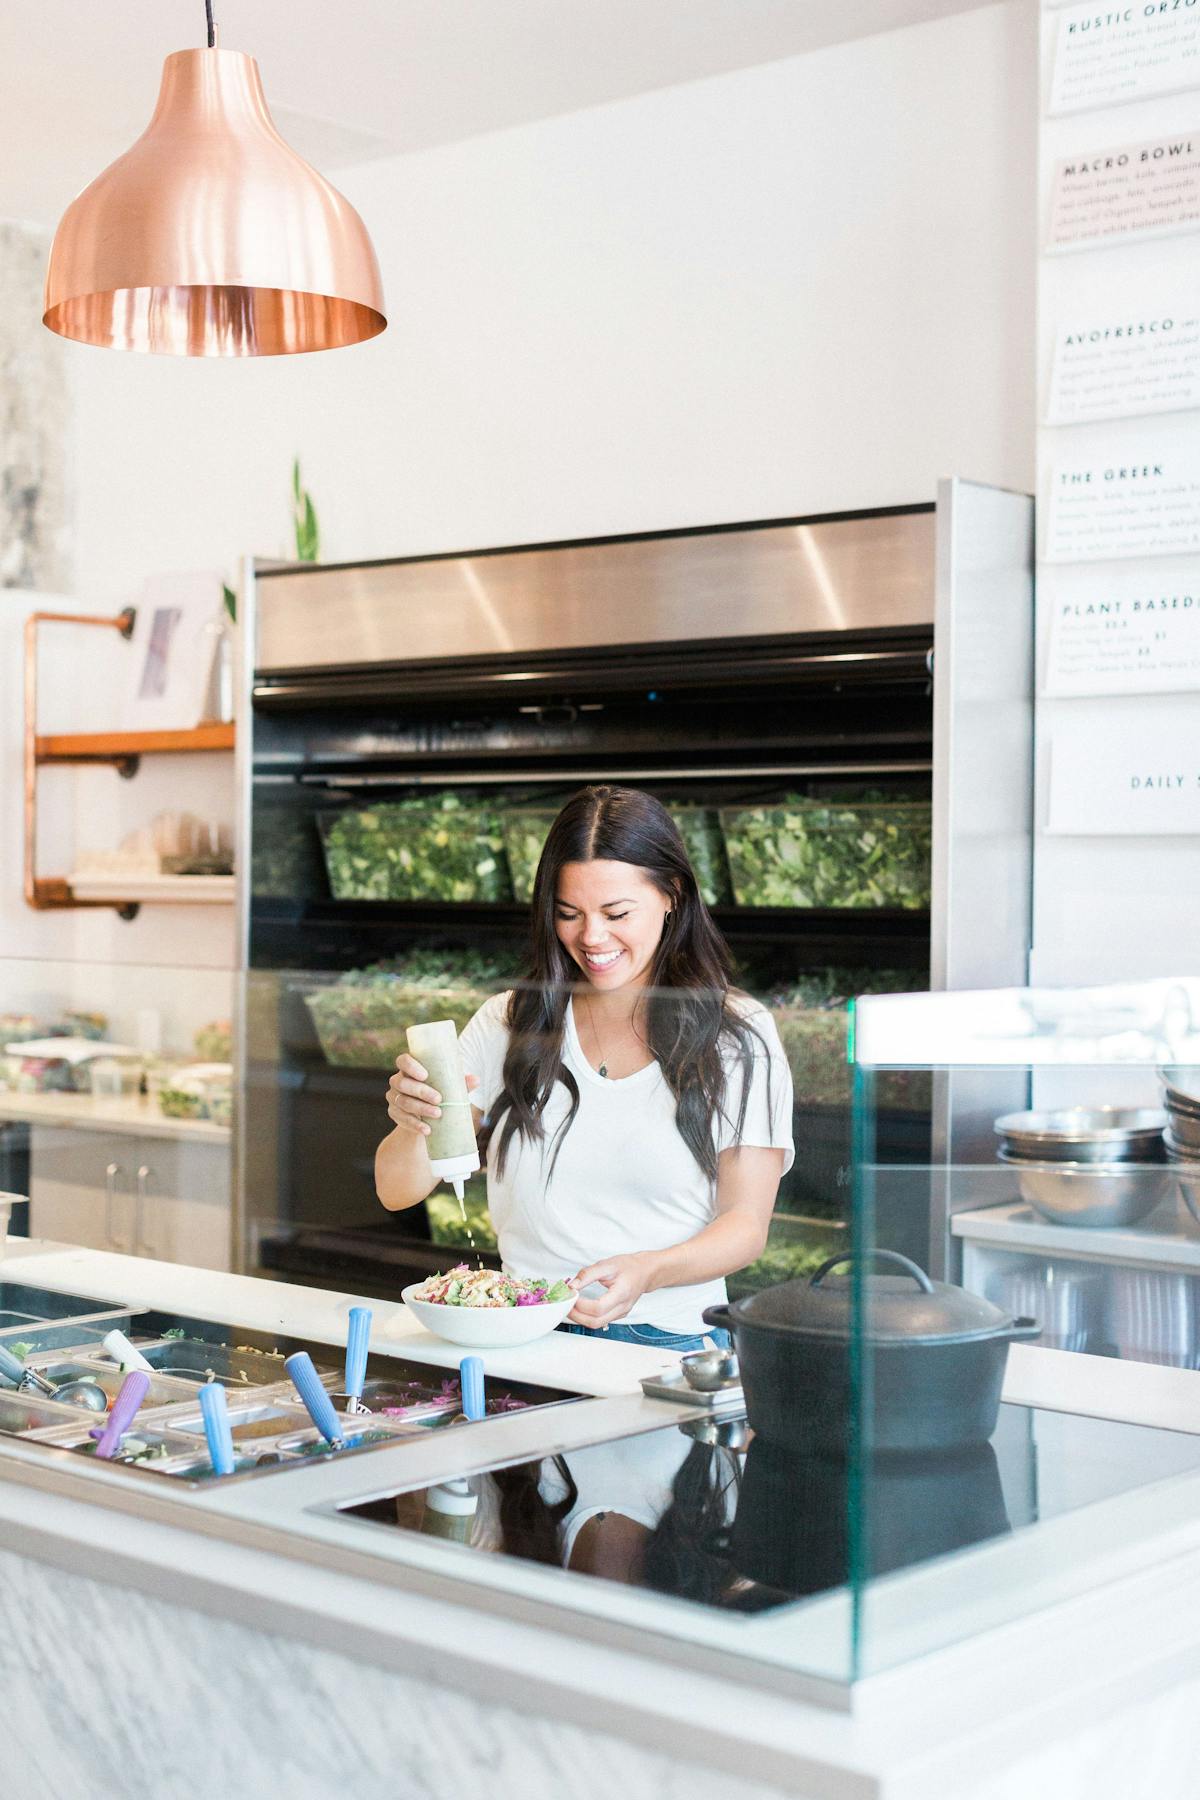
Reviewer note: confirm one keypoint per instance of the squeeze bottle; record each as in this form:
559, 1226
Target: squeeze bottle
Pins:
450, 1510
453, 1152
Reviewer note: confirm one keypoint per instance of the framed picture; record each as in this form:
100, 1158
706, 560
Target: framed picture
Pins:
171, 651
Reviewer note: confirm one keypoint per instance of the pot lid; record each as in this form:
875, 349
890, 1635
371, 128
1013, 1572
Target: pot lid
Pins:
901, 1307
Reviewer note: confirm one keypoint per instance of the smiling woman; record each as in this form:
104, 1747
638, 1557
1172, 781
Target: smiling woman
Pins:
634, 1109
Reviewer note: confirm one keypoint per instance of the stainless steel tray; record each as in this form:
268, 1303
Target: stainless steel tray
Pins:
670, 1385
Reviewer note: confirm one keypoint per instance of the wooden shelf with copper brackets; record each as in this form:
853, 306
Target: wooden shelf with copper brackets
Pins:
123, 749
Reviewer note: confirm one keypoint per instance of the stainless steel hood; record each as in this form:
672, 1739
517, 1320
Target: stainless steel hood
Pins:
825, 577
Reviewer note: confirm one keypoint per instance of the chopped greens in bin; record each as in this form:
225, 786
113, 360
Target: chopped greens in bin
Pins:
781, 1262
432, 847
525, 832
527, 828
811, 1017
700, 829
816, 853
361, 1020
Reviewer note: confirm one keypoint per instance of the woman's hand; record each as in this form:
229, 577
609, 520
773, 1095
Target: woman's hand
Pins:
411, 1101
625, 1279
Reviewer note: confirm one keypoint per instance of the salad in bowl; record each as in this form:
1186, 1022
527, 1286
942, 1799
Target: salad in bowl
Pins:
487, 1308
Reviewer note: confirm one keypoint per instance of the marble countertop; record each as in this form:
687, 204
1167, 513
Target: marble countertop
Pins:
136, 1114
276, 1549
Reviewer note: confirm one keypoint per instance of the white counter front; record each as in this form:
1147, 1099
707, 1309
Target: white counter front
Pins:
245, 1638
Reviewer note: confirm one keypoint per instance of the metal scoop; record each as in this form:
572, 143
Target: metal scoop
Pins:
80, 1392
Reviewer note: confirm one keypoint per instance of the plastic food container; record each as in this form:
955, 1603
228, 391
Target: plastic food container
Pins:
1068, 1302
198, 1091
21, 1413
813, 853
525, 831
704, 841
1152, 1316
439, 850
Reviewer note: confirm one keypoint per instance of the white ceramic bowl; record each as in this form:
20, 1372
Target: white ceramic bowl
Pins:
487, 1327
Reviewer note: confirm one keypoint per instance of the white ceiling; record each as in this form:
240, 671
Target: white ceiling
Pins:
357, 79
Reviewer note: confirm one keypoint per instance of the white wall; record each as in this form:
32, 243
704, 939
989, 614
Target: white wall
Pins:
797, 288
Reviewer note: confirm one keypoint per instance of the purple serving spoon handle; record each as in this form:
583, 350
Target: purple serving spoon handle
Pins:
129, 1397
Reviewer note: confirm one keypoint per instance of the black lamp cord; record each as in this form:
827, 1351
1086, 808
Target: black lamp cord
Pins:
212, 30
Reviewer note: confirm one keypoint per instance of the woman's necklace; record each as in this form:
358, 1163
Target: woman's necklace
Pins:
591, 1019
603, 1070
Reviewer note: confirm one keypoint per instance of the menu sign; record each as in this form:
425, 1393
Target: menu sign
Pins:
1141, 190
1118, 632
1141, 781
1145, 361
1106, 54
1134, 505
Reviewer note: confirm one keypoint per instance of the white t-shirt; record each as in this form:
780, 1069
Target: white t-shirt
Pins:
625, 1179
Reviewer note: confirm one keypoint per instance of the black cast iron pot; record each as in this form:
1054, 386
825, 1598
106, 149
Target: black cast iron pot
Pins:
928, 1361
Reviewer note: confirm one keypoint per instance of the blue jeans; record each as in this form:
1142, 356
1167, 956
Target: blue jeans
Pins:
650, 1337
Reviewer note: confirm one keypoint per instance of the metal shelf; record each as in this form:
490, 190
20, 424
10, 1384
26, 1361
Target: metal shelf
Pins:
302, 934
1158, 1241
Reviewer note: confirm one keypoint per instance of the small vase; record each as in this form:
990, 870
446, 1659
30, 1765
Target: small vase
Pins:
218, 706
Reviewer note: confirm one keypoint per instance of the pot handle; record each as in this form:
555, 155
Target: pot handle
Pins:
910, 1268
717, 1315
1025, 1328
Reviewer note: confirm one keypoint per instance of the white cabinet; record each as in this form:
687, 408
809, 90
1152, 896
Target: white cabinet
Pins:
159, 1197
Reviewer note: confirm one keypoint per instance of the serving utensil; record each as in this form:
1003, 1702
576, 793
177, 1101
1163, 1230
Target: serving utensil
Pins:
357, 1340
471, 1383
217, 1430
124, 1354
14, 1372
317, 1404
130, 1396
80, 1392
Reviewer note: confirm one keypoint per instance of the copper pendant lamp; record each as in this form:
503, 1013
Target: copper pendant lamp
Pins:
211, 237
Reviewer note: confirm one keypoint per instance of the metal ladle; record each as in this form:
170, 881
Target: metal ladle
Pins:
80, 1392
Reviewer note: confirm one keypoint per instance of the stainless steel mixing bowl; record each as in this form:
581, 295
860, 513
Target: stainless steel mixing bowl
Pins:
1185, 1129
1084, 1134
1091, 1194
1181, 1089
1184, 1163
708, 1370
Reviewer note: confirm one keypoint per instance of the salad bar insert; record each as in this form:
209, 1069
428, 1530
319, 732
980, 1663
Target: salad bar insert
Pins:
197, 1401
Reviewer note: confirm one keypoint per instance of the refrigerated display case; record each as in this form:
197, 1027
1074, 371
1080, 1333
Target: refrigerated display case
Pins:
724, 669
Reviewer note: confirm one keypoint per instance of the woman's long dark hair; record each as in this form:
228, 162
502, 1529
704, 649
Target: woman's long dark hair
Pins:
688, 1020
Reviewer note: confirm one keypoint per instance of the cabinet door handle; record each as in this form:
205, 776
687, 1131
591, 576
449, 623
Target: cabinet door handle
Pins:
141, 1247
110, 1183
